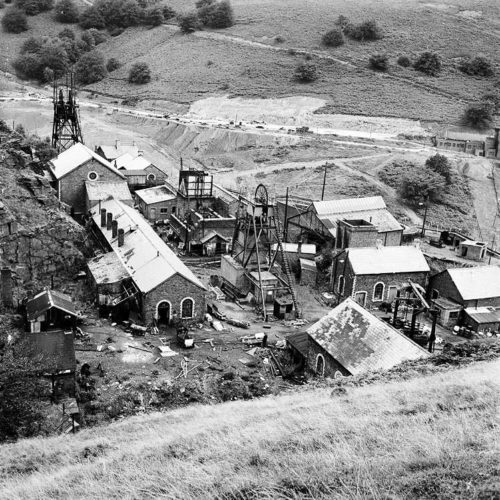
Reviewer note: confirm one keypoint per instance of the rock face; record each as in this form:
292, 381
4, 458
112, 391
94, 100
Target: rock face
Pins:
39, 242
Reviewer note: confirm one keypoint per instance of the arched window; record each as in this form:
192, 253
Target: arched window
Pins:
93, 176
187, 308
378, 291
320, 365
151, 177
341, 285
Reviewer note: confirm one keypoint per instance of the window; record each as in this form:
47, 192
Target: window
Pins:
320, 365
341, 285
360, 298
378, 291
151, 177
173, 209
93, 176
187, 308
164, 210
435, 294
453, 315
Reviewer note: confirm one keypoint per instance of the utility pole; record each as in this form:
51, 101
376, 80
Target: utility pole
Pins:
285, 232
324, 184
426, 203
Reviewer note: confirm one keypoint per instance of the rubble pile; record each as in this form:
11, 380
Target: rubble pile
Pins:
39, 242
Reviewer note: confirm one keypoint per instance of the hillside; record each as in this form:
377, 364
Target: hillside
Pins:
432, 436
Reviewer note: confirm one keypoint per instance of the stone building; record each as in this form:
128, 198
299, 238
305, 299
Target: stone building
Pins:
98, 191
158, 286
350, 340
139, 171
473, 143
157, 203
114, 151
75, 166
374, 275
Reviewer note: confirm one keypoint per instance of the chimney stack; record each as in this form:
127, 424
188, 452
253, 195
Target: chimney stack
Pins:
109, 220
103, 217
6, 286
121, 237
114, 228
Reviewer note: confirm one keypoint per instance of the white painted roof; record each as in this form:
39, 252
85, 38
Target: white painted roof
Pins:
146, 257
349, 205
155, 194
360, 341
113, 152
265, 275
122, 160
102, 190
137, 163
482, 282
386, 260
75, 156
294, 248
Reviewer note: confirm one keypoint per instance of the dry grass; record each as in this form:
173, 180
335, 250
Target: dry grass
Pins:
430, 437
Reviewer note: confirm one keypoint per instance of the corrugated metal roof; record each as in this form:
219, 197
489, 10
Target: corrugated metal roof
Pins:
299, 341
148, 260
444, 303
102, 190
482, 282
47, 300
155, 194
57, 350
107, 268
483, 315
74, 157
349, 205
386, 260
294, 248
361, 342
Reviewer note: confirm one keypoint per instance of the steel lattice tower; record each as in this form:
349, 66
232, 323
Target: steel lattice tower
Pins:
66, 129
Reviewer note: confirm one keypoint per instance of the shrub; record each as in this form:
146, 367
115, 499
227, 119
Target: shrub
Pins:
66, 34
139, 73
112, 64
479, 116
479, 66
333, 38
379, 62
31, 45
419, 184
366, 31
216, 14
2, 4
34, 7
440, 165
91, 18
154, 16
494, 99
342, 21
91, 68
27, 66
98, 36
188, 22
121, 13
428, 63
404, 61
88, 39
306, 72
54, 56
168, 12
66, 11
15, 21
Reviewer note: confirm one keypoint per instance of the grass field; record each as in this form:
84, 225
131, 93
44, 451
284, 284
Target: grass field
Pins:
433, 437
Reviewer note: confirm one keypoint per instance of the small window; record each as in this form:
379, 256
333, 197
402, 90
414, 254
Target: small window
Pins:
320, 365
453, 315
164, 210
187, 306
93, 176
378, 291
173, 209
341, 284
435, 294
151, 177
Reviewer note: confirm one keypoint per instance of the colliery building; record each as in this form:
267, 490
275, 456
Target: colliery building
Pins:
139, 274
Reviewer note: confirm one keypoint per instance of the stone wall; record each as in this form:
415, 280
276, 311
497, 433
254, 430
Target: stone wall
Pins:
331, 365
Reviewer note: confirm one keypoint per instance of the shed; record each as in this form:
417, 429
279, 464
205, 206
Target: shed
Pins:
50, 309
449, 311
482, 319
283, 307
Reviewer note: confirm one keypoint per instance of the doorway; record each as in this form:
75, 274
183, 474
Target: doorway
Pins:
163, 313
391, 295
360, 298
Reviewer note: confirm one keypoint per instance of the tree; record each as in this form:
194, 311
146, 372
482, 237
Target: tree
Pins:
91, 18
379, 62
121, 13
66, 34
139, 73
98, 36
91, 68
333, 38
34, 7
418, 184
188, 22
479, 66
168, 12
66, 11
54, 56
216, 14
440, 165
88, 39
14, 21
27, 66
154, 16
404, 61
112, 64
306, 72
428, 63
365, 31
31, 45
479, 116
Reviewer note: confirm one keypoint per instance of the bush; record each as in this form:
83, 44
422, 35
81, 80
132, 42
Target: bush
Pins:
27, 67
66, 34
121, 13
91, 68
154, 16
66, 11
139, 73
419, 184
88, 41
31, 45
379, 62
306, 72
366, 31
98, 36
479, 66
333, 38
112, 64
404, 61
428, 63
34, 7
188, 22
479, 116
440, 165
15, 21
220, 15
168, 12
91, 18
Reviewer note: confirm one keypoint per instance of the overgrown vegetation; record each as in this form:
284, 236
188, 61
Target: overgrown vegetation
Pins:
34, 7
379, 62
306, 72
479, 66
215, 14
66, 11
366, 31
188, 23
333, 38
479, 116
139, 73
428, 63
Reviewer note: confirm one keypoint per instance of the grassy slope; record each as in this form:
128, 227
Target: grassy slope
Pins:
433, 436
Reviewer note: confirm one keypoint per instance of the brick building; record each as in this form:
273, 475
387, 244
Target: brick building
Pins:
73, 168
374, 275
158, 286
350, 340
